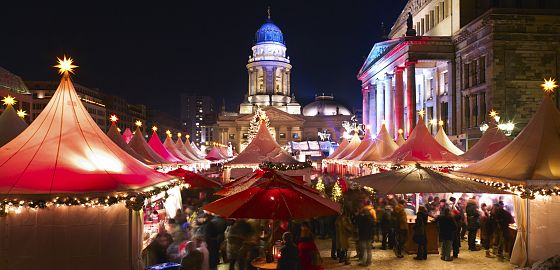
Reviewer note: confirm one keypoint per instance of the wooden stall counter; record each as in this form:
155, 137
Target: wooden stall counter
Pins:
432, 236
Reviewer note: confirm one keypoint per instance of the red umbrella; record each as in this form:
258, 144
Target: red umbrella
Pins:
257, 177
195, 180
274, 199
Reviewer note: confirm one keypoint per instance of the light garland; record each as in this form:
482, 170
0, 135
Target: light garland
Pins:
525, 192
133, 200
336, 192
284, 166
320, 186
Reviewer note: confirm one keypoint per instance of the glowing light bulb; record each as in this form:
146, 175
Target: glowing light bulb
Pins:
168, 132
440, 122
179, 134
433, 122
401, 131
113, 118
138, 123
65, 65
21, 113
154, 128
549, 85
421, 113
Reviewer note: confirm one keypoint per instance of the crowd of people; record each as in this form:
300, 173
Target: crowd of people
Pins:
199, 240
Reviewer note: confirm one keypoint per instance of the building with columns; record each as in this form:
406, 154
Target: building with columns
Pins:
269, 87
458, 59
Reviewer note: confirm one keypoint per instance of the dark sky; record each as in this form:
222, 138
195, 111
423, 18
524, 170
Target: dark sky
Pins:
151, 53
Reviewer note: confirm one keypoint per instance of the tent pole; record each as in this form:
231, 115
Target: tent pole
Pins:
527, 231
130, 260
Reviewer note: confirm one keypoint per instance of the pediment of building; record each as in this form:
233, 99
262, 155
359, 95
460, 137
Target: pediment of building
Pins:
274, 115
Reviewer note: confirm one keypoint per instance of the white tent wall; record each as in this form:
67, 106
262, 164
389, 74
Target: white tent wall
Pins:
541, 232
71, 238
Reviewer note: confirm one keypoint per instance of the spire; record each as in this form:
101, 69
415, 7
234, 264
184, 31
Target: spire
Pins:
268, 12
223, 104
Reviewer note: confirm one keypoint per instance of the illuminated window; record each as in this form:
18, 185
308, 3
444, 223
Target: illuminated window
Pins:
282, 135
232, 136
295, 136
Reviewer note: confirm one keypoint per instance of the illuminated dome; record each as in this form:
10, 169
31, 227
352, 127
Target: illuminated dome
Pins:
269, 32
325, 105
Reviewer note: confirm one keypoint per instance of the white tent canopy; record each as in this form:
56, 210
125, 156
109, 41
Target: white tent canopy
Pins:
444, 141
491, 142
382, 146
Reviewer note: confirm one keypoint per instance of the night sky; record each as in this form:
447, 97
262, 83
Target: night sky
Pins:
151, 53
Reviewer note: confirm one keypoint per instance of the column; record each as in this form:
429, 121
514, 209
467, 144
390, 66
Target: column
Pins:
399, 100
365, 105
380, 105
284, 88
410, 96
288, 81
471, 111
453, 109
372, 107
389, 110
256, 78
273, 77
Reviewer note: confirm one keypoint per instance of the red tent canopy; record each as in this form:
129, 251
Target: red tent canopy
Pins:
186, 150
140, 146
422, 147
195, 180
127, 135
170, 146
158, 147
215, 154
114, 135
64, 151
257, 177
274, 198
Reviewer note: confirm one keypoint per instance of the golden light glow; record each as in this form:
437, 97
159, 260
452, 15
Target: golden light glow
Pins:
168, 132
383, 122
549, 85
119, 129
421, 113
179, 134
113, 118
493, 113
9, 100
21, 113
401, 131
65, 65
154, 128
440, 123
138, 123
433, 122
188, 136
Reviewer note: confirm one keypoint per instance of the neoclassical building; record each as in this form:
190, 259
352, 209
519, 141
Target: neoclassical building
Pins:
269, 87
456, 60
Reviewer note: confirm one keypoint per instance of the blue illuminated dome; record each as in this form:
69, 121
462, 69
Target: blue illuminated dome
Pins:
269, 32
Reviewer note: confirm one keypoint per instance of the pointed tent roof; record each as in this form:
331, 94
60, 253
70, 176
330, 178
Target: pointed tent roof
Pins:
422, 147
215, 154
383, 145
197, 150
158, 147
11, 125
444, 141
114, 135
362, 148
127, 135
185, 150
64, 151
263, 148
491, 142
532, 158
400, 139
170, 146
352, 145
140, 146
339, 149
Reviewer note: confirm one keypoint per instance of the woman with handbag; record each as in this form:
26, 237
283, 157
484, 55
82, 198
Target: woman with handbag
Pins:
309, 256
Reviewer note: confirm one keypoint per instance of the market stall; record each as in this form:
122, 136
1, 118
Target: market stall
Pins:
140, 146
70, 196
157, 146
491, 142
444, 141
114, 135
528, 167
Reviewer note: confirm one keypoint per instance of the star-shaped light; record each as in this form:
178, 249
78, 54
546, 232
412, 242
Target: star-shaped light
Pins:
401, 131
138, 123
421, 113
493, 113
440, 123
549, 85
21, 113
179, 134
9, 100
433, 122
65, 65
188, 136
154, 128
113, 118
168, 132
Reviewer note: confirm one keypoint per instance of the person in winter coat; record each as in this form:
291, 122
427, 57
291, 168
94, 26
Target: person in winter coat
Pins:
473, 223
289, 257
193, 259
503, 219
365, 223
385, 221
309, 256
420, 233
447, 233
238, 232
344, 231
401, 228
